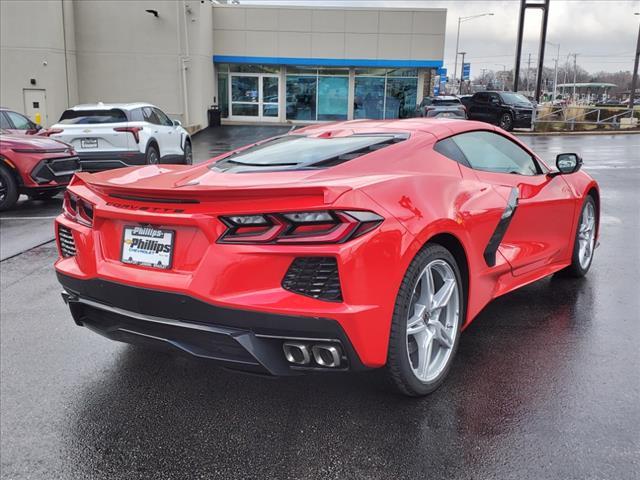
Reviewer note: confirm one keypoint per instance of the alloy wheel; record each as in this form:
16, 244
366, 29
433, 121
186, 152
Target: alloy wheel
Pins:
505, 121
586, 235
432, 323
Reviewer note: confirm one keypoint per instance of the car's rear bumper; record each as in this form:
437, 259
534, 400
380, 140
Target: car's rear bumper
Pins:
238, 339
98, 161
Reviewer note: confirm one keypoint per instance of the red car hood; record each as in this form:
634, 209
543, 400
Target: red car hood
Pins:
31, 141
182, 181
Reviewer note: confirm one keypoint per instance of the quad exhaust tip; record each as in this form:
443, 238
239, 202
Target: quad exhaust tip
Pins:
296, 353
323, 354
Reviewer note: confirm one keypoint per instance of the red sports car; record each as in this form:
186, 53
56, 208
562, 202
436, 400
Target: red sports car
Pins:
337, 247
35, 166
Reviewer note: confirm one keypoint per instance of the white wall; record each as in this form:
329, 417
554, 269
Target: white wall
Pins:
32, 46
352, 33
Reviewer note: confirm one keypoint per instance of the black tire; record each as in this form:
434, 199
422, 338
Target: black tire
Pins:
505, 121
188, 153
152, 156
398, 364
575, 269
48, 195
8, 189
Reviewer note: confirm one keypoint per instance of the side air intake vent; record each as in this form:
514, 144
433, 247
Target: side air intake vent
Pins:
315, 277
67, 244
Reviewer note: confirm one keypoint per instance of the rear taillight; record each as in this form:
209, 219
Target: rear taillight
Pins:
133, 130
77, 209
325, 226
50, 131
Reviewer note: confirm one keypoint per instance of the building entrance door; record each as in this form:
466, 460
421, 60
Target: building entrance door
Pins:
254, 97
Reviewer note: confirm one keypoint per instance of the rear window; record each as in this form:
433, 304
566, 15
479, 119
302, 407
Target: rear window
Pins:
300, 152
446, 101
73, 117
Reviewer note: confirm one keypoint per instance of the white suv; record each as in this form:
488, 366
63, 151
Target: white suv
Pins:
122, 134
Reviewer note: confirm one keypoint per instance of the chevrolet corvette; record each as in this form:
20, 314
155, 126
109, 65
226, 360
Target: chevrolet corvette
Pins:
337, 247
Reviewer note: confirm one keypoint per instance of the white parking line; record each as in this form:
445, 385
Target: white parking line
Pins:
28, 218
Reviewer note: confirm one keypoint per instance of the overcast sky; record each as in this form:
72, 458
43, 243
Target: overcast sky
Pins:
603, 32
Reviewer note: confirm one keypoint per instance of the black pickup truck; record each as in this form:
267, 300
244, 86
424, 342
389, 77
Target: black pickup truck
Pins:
508, 110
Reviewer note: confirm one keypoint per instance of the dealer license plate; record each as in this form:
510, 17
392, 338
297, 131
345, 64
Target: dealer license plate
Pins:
148, 246
89, 143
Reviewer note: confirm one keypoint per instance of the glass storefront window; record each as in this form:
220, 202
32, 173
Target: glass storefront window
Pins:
246, 68
245, 109
374, 72
270, 96
369, 98
244, 89
301, 97
333, 71
333, 94
402, 72
223, 94
401, 97
302, 70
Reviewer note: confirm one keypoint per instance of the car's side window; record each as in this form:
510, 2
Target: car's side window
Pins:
136, 115
481, 97
4, 122
449, 149
494, 98
150, 116
20, 122
164, 120
492, 152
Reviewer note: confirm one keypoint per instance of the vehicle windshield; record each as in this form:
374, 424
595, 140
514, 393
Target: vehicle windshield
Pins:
73, 117
297, 151
514, 98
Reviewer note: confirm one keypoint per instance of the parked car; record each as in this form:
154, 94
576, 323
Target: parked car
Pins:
442, 107
336, 247
118, 135
508, 110
15, 122
35, 166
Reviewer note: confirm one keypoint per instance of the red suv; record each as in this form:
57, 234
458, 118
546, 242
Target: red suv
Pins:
36, 166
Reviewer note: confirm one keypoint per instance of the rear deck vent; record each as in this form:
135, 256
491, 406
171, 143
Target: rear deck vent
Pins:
66, 242
315, 277
153, 199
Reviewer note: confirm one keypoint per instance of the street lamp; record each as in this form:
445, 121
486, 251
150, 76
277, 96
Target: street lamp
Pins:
555, 80
504, 73
460, 20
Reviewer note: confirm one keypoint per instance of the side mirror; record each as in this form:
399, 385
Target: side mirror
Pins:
568, 163
177, 123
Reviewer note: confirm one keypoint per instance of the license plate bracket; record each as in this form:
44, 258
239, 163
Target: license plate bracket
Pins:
147, 246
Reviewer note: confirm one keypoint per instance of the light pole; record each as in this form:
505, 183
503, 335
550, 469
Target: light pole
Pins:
460, 20
555, 76
504, 73
461, 71
634, 79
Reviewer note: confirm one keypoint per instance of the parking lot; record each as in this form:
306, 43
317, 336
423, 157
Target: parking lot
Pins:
545, 384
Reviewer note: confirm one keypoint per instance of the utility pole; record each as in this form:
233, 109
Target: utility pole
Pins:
555, 75
484, 81
634, 79
527, 74
575, 75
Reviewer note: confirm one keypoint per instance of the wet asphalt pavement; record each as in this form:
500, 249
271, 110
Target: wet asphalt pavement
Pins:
546, 383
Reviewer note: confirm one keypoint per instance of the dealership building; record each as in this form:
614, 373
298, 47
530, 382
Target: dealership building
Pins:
258, 64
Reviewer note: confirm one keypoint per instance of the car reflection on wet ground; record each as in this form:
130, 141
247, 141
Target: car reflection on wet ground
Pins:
545, 384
